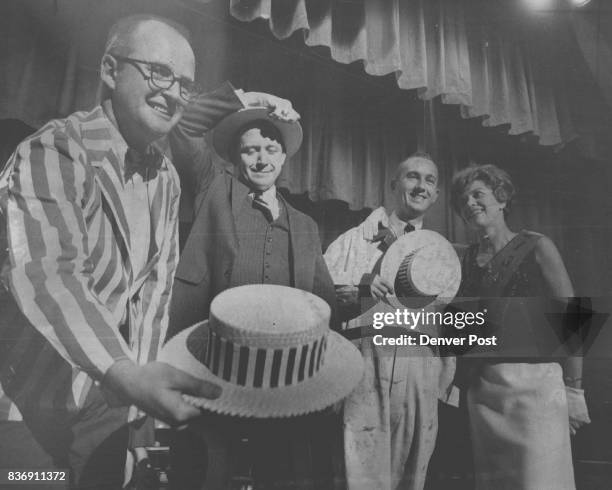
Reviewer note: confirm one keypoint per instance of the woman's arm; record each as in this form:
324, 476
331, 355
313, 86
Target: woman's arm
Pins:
559, 284
553, 269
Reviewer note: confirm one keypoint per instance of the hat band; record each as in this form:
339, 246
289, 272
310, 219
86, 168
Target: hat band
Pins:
406, 288
263, 368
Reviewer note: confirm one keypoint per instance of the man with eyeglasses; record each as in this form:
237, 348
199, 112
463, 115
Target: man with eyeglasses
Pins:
91, 207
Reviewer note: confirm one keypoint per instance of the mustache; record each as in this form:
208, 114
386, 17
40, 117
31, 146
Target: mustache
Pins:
258, 167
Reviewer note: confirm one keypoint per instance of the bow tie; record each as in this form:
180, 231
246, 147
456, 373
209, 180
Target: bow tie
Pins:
136, 162
386, 236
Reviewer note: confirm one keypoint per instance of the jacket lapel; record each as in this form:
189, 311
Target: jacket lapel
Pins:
96, 136
160, 218
302, 269
166, 188
238, 192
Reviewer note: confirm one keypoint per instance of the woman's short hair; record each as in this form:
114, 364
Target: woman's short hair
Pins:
493, 177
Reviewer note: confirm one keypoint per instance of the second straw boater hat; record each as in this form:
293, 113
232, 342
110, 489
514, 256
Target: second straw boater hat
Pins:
271, 351
424, 269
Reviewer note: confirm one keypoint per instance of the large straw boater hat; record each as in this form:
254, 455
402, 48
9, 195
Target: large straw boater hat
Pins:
424, 269
225, 131
271, 351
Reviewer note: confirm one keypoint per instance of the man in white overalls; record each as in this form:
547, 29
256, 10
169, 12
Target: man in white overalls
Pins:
391, 418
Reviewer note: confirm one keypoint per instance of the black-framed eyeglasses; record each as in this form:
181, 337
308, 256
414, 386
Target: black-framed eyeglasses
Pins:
161, 76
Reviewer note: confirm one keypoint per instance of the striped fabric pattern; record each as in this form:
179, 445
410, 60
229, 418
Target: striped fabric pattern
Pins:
255, 367
70, 261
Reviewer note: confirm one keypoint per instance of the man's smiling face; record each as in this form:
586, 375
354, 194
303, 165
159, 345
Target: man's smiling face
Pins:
144, 112
415, 187
260, 159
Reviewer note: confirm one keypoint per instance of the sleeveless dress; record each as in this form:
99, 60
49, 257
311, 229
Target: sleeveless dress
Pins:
517, 406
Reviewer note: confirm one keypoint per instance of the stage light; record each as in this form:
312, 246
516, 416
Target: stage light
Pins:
579, 3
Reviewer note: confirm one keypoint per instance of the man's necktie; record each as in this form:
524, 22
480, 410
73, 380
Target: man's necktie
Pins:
259, 203
386, 236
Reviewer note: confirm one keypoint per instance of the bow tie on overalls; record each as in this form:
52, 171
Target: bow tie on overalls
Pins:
146, 164
386, 236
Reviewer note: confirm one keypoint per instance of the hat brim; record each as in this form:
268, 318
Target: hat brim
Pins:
407, 244
342, 370
225, 131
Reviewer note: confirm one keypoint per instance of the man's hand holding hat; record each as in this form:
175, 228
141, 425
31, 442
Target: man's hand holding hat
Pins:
157, 389
380, 287
280, 109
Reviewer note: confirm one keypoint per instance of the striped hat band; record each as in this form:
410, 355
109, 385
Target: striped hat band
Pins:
419, 275
424, 269
257, 367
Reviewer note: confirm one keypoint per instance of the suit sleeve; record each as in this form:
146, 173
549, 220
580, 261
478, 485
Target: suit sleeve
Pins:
50, 274
323, 286
190, 153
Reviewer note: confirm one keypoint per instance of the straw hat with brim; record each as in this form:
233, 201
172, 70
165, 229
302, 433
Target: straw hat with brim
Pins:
225, 131
271, 351
424, 269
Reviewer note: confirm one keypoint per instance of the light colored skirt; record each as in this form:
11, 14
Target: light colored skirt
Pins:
520, 428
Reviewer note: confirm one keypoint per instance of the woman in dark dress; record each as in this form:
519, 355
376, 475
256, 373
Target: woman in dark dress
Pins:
522, 403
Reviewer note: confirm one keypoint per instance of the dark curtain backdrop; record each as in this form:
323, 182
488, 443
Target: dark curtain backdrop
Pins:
489, 57
358, 126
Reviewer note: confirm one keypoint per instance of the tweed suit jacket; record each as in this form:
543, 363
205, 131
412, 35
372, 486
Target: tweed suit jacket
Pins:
205, 268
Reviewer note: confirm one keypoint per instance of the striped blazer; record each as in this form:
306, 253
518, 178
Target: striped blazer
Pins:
74, 295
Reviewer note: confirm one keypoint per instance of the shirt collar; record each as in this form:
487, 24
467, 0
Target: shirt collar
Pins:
398, 225
269, 195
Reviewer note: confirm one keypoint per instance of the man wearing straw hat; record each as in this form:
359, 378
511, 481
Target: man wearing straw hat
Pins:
245, 232
390, 420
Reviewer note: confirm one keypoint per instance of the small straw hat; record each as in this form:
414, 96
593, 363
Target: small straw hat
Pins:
224, 132
271, 351
424, 269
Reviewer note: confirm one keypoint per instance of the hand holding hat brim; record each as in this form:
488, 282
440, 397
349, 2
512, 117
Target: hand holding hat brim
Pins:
278, 108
